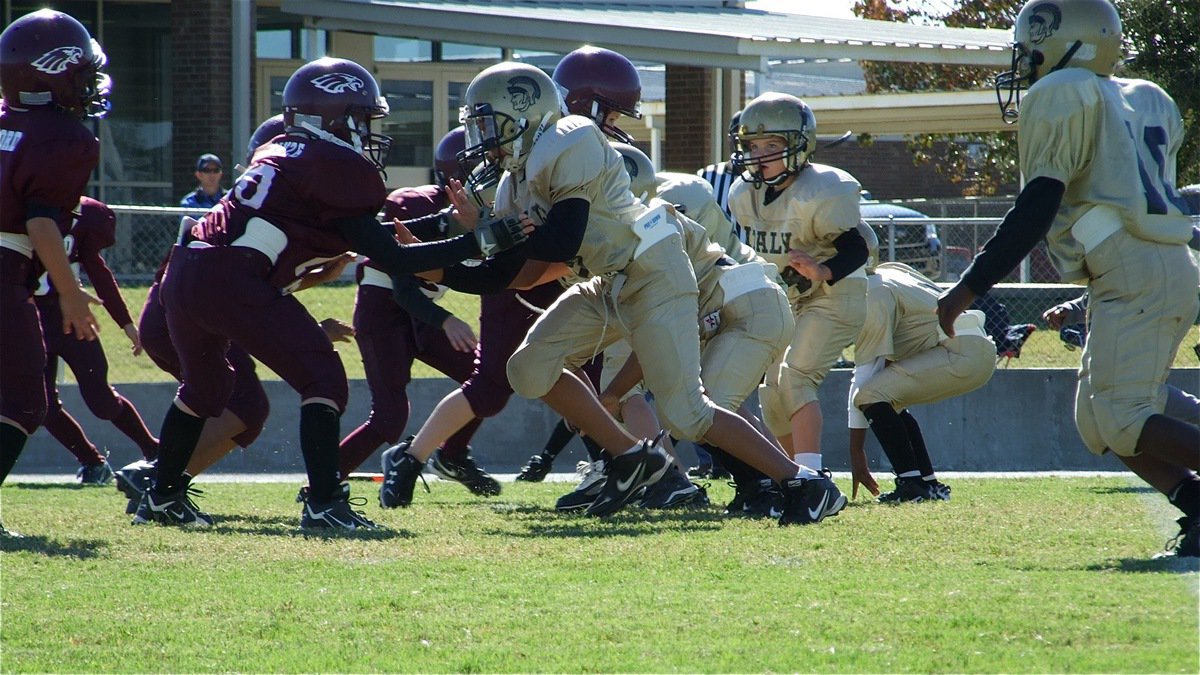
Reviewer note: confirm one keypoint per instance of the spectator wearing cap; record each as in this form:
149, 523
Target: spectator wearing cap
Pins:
208, 192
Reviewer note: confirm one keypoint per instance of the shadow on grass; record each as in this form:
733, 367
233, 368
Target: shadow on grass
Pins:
1121, 489
1169, 564
52, 548
74, 487
288, 527
631, 522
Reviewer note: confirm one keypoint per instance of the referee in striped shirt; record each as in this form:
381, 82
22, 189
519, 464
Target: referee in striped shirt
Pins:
721, 176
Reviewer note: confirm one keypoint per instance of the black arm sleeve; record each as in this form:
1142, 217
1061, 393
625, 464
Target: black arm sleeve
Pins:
406, 291
368, 237
491, 276
559, 237
1024, 226
851, 254
430, 227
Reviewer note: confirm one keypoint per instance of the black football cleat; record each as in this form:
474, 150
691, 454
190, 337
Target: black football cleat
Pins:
629, 473
465, 471
400, 473
807, 501
174, 508
336, 514
912, 489
536, 469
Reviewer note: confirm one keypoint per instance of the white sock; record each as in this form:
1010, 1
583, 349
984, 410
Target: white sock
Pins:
810, 459
910, 474
930, 478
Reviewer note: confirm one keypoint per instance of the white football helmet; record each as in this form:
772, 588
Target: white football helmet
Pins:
1050, 35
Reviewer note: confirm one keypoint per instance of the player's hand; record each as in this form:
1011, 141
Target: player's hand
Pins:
337, 331
77, 314
403, 234
331, 270
1055, 316
131, 332
861, 475
466, 211
953, 303
807, 265
459, 334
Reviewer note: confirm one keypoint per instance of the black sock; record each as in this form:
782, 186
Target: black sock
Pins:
743, 474
892, 434
319, 433
176, 443
12, 442
1186, 496
559, 438
917, 441
595, 452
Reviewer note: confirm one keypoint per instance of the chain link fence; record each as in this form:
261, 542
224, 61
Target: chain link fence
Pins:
940, 246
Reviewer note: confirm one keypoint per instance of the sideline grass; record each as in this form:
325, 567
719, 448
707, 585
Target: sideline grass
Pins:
1016, 575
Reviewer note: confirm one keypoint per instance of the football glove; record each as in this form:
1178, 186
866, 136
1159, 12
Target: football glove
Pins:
794, 279
499, 234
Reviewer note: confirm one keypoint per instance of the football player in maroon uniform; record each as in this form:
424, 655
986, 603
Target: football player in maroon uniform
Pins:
51, 80
91, 227
398, 322
307, 199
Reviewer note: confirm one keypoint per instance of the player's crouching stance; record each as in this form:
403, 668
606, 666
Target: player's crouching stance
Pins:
904, 359
1098, 154
306, 199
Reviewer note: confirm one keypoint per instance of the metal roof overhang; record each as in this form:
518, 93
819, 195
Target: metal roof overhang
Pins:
697, 33
953, 112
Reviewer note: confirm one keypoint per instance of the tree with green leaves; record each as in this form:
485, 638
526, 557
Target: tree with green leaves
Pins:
1162, 35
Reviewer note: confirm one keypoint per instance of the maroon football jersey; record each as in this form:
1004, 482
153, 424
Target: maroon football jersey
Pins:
407, 203
286, 205
46, 158
90, 228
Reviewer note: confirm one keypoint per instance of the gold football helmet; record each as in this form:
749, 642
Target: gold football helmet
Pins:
775, 114
642, 182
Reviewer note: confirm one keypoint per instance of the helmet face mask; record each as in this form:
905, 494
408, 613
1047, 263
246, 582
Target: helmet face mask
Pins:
1050, 35
506, 108
774, 115
47, 58
335, 100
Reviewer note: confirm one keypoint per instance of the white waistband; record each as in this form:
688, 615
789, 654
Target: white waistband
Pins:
17, 242
739, 280
374, 277
1093, 227
264, 238
970, 322
650, 229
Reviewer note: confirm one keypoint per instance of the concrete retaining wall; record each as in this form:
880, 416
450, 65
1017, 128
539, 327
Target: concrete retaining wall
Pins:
1020, 421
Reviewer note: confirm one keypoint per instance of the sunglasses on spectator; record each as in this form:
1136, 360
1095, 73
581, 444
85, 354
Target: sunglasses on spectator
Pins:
211, 169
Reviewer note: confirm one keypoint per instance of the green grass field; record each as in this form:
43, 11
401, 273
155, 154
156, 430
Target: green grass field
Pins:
1013, 575
1043, 350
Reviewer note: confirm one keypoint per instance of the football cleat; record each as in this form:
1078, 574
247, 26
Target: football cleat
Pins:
6, 533
913, 489
95, 474
133, 480
808, 501
758, 499
465, 471
629, 473
939, 490
673, 489
336, 514
175, 508
1186, 544
400, 473
591, 480
536, 469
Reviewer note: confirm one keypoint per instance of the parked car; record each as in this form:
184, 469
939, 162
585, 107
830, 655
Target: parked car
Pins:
916, 240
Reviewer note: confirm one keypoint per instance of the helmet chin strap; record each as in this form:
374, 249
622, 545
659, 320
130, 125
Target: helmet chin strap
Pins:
326, 136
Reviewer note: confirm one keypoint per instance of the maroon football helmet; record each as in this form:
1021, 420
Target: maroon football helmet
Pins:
272, 127
596, 81
48, 58
335, 100
445, 157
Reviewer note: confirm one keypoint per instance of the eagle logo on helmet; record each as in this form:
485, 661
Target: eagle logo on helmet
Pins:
523, 91
337, 83
56, 60
1044, 21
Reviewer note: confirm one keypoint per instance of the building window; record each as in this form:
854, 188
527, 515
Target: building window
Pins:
454, 51
402, 50
283, 36
410, 123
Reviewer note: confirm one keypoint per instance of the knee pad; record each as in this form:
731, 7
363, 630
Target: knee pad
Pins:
530, 375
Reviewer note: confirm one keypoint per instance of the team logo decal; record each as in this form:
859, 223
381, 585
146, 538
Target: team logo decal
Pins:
337, 83
1043, 22
523, 91
56, 60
